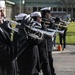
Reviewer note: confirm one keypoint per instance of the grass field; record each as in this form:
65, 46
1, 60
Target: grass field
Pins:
70, 38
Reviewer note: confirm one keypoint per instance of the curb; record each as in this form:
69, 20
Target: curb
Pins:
63, 51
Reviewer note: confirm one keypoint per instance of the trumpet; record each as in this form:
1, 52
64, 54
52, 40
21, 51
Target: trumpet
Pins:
48, 33
59, 31
42, 31
61, 24
55, 30
66, 23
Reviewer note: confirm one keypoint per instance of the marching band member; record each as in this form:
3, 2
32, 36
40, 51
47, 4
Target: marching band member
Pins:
27, 53
43, 52
62, 37
16, 35
46, 15
6, 49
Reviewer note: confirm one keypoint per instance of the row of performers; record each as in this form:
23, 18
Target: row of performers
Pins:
33, 39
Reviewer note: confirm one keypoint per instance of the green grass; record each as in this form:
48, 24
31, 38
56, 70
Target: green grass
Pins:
70, 38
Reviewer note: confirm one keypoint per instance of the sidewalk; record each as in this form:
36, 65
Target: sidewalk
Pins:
64, 61
69, 48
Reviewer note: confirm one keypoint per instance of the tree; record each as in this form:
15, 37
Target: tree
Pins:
68, 4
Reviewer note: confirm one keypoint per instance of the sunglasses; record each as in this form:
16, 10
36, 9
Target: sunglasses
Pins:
1, 10
40, 17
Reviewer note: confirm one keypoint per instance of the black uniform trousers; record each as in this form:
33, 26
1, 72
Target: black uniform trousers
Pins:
62, 39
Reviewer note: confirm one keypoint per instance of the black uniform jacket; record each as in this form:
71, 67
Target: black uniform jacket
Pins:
27, 54
5, 27
6, 49
48, 38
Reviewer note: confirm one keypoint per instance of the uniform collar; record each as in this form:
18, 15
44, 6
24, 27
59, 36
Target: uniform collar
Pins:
37, 24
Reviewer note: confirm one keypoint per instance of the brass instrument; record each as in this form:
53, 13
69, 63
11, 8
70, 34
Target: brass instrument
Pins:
49, 33
59, 31
56, 25
45, 22
42, 32
62, 23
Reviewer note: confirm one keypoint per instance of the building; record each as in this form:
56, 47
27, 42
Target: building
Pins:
29, 6
9, 9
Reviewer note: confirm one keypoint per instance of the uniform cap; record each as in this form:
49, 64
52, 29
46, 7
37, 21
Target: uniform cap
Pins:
35, 14
2, 4
46, 8
20, 16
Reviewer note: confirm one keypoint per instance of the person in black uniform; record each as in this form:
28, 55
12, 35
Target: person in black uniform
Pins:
6, 50
46, 16
42, 46
62, 37
27, 51
16, 35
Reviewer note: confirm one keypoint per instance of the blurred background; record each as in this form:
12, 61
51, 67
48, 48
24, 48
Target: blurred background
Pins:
64, 8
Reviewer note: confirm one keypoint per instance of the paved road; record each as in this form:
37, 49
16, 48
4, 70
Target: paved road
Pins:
64, 62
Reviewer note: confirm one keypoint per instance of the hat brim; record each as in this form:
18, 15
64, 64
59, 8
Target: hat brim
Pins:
46, 11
